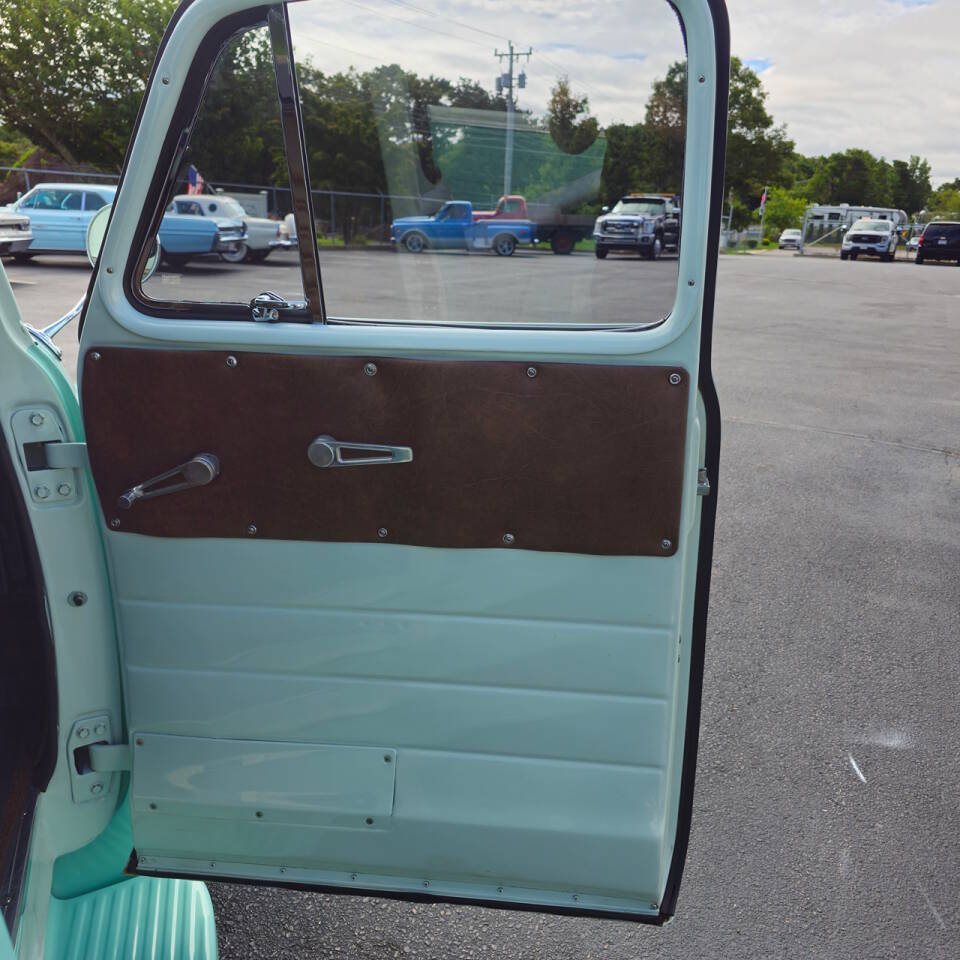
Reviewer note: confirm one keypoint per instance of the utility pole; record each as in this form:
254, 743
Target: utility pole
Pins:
505, 84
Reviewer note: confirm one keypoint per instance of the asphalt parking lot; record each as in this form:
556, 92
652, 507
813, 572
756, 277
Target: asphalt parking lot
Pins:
827, 801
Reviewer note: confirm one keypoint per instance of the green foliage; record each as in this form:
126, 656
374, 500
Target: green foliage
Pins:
72, 74
785, 209
570, 126
14, 147
946, 199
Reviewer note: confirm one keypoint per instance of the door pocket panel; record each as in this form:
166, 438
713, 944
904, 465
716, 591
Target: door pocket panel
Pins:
576, 458
307, 784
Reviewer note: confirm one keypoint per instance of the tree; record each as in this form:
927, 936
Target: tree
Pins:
571, 126
945, 200
911, 184
784, 209
72, 74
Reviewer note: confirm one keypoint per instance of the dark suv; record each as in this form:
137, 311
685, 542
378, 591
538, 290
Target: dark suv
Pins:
939, 241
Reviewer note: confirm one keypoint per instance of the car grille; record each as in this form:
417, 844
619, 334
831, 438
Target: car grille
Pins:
866, 238
620, 226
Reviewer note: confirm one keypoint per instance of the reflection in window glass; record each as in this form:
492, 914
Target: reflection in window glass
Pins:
224, 237
523, 163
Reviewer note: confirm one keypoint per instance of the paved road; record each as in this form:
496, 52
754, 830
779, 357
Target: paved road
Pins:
827, 802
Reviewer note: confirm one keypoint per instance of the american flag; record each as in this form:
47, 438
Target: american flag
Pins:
195, 181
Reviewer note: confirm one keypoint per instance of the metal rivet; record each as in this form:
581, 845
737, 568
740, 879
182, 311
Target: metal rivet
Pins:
387, 758
382, 532
370, 369
165, 80
77, 599
212, 864
94, 356
96, 788
369, 821
701, 79
576, 897
139, 741
426, 883
142, 860
153, 806
259, 814
666, 544
689, 283
252, 529
508, 538
283, 869
531, 372
83, 733
109, 269
115, 522
231, 361
499, 889
64, 489
353, 876
675, 378
42, 491
36, 419
654, 906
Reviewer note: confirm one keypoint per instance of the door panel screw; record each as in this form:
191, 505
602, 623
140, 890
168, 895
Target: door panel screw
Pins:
370, 369
508, 538
231, 361
77, 599
83, 733
382, 532
100, 730
96, 788
115, 522
675, 378
531, 372
36, 419
666, 544
42, 492
252, 529
64, 489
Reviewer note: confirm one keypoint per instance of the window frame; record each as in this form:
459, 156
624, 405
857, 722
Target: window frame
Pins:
190, 47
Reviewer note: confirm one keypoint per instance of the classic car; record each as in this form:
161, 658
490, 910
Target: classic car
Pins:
60, 212
453, 227
400, 608
263, 235
15, 235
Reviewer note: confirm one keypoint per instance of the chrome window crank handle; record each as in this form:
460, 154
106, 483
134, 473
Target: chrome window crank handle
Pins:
200, 470
324, 451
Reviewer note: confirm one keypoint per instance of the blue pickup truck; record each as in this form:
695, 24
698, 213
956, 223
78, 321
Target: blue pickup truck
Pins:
453, 227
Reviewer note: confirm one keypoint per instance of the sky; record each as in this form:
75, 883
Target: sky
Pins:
877, 74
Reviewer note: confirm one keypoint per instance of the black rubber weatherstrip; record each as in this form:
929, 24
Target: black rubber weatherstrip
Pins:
708, 513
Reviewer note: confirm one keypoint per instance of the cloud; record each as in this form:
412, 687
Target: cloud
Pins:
840, 73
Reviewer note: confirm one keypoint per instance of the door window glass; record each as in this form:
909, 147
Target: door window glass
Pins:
213, 250
409, 107
94, 201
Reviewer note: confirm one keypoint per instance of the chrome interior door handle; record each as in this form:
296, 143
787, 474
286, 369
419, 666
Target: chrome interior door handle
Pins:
200, 470
327, 452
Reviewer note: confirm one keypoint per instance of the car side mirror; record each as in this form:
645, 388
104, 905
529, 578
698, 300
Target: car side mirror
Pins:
97, 231
604, 209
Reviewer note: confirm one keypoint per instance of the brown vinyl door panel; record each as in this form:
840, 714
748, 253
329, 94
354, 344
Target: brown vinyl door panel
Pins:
560, 457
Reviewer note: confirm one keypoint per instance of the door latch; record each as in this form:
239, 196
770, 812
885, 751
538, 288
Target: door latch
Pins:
703, 483
327, 452
200, 470
271, 307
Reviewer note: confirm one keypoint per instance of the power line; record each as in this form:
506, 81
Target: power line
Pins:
410, 23
442, 16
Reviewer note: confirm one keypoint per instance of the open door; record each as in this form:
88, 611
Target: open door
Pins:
410, 552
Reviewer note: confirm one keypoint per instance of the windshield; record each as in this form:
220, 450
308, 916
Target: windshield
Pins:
634, 207
883, 225
230, 208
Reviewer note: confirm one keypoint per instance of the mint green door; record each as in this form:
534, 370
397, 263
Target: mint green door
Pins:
410, 582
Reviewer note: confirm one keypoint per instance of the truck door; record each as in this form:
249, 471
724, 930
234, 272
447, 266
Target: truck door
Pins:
410, 602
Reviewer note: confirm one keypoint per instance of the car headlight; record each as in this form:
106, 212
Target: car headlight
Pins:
648, 226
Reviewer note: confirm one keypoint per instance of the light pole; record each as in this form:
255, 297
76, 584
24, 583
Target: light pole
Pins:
505, 83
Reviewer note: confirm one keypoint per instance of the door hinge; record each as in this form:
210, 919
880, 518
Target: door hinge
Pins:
94, 760
703, 483
50, 462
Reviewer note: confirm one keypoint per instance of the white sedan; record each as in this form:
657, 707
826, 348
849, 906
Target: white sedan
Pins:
263, 235
789, 238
